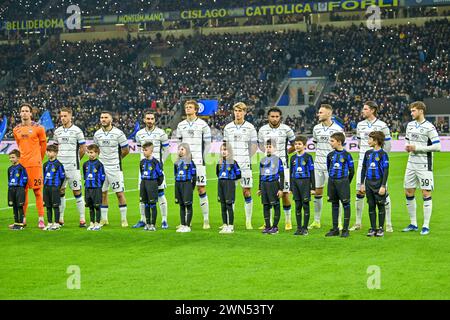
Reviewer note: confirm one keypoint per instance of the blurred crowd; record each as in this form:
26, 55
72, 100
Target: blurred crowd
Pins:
392, 66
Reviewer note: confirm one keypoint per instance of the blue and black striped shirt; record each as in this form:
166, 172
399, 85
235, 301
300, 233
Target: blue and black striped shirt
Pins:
54, 174
340, 165
185, 171
271, 169
228, 170
375, 166
151, 170
17, 176
301, 166
94, 174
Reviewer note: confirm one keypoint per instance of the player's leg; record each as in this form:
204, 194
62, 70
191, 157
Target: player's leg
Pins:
427, 185
333, 197
39, 205
410, 185
306, 199
344, 195
104, 206
230, 194
201, 188
381, 204
122, 208
296, 196
223, 205
388, 210
286, 200
153, 198
230, 212
359, 203
118, 187
321, 177
247, 184
75, 185
189, 213
276, 217
183, 215
372, 211
142, 220
298, 216
49, 218
162, 201
62, 195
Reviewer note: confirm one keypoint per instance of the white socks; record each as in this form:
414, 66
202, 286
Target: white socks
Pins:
388, 211
287, 213
204, 205
318, 203
81, 207
427, 208
412, 206
248, 208
123, 211
104, 212
142, 211
163, 206
359, 209
62, 208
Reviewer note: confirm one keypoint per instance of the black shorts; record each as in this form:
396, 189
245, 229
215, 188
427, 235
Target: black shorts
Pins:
149, 191
339, 189
184, 192
52, 197
372, 188
301, 189
226, 191
16, 196
269, 192
93, 197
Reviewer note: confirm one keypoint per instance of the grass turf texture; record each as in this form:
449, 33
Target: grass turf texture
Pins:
119, 263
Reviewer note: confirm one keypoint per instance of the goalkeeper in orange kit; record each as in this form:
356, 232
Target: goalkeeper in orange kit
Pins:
32, 143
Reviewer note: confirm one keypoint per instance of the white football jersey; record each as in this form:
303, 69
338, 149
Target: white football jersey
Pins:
363, 129
197, 134
241, 137
110, 144
69, 141
284, 137
321, 138
421, 134
157, 136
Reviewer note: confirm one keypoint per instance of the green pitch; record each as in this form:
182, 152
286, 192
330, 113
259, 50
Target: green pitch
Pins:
118, 263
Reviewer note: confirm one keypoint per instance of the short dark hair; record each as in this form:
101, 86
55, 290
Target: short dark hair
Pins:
26, 104
146, 145
52, 147
93, 147
373, 106
15, 152
303, 139
339, 136
107, 112
378, 136
150, 112
275, 109
270, 142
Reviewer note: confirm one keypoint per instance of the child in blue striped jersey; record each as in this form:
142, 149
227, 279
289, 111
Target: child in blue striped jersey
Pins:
374, 175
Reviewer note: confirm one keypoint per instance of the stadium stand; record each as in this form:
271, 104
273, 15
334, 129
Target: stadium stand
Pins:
392, 66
